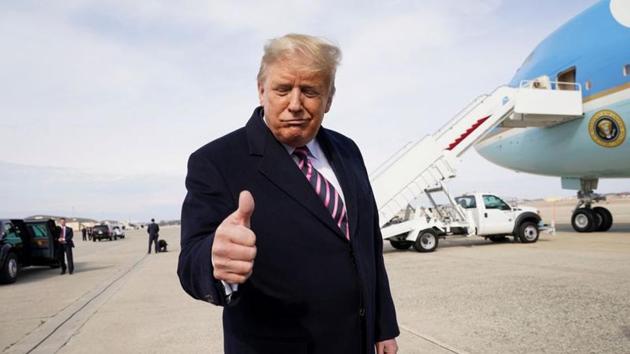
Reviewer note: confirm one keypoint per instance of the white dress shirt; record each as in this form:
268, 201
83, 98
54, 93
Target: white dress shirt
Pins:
62, 237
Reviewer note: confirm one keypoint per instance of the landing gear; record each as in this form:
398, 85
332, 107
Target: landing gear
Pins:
606, 219
588, 219
583, 220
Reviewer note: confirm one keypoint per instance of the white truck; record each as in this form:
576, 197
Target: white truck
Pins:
480, 214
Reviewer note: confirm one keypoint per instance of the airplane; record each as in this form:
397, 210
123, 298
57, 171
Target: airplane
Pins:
563, 114
590, 53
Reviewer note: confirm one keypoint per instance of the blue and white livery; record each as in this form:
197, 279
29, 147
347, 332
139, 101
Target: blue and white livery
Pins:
589, 54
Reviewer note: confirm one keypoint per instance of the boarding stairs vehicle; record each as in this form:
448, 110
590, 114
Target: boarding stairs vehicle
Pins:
422, 168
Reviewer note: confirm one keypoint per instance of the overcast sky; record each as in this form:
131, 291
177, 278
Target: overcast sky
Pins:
102, 102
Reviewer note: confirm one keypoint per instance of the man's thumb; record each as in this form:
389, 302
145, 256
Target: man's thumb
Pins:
245, 208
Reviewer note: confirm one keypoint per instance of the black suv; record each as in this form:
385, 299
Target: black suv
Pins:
26, 243
103, 231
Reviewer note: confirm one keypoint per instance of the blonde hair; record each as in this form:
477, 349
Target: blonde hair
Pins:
324, 57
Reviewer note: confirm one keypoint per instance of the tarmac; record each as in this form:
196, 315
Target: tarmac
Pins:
567, 293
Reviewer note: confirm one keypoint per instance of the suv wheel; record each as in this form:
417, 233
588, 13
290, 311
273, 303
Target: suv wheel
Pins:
9, 270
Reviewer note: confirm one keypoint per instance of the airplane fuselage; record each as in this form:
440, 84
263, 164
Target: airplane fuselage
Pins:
592, 51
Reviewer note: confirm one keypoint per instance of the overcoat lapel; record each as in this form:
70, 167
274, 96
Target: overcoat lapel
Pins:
280, 169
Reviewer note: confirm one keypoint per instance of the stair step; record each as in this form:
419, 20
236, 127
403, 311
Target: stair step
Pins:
468, 131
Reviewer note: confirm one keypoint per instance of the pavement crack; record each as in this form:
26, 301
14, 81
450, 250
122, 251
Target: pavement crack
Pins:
431, 340
89, 301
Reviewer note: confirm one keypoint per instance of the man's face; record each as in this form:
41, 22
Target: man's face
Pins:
294, 100
62, 222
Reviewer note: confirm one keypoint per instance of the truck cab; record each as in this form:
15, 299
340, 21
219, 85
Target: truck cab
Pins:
491, 214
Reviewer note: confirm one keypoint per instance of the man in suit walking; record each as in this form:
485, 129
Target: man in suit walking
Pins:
65, 247
280, 225
154, 233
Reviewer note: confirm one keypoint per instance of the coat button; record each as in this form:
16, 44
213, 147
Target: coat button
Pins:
362, 312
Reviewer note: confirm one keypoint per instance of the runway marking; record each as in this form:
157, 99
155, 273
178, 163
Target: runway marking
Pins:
431, 340
42, 345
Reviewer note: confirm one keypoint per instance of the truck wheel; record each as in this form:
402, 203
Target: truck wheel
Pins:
498, 239
583, 220
528, 232
9, 271
400, 245
427, 241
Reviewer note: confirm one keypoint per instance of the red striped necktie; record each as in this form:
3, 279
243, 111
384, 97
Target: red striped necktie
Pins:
324, 189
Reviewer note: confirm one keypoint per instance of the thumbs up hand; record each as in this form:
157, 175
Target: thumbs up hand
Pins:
234, 247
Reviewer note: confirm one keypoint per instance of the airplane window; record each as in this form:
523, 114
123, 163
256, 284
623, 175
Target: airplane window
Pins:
588, 84
626, 70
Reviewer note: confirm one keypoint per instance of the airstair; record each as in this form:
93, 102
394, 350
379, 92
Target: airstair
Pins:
423, 167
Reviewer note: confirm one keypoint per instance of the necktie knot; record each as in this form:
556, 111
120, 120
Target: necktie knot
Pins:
302, 152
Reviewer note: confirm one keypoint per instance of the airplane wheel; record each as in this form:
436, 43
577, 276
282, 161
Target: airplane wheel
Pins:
606, 218
400, 245
427, 241
583, 220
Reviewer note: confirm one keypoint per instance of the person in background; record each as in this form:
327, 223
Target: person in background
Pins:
65, 247
154, 233
84, 233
